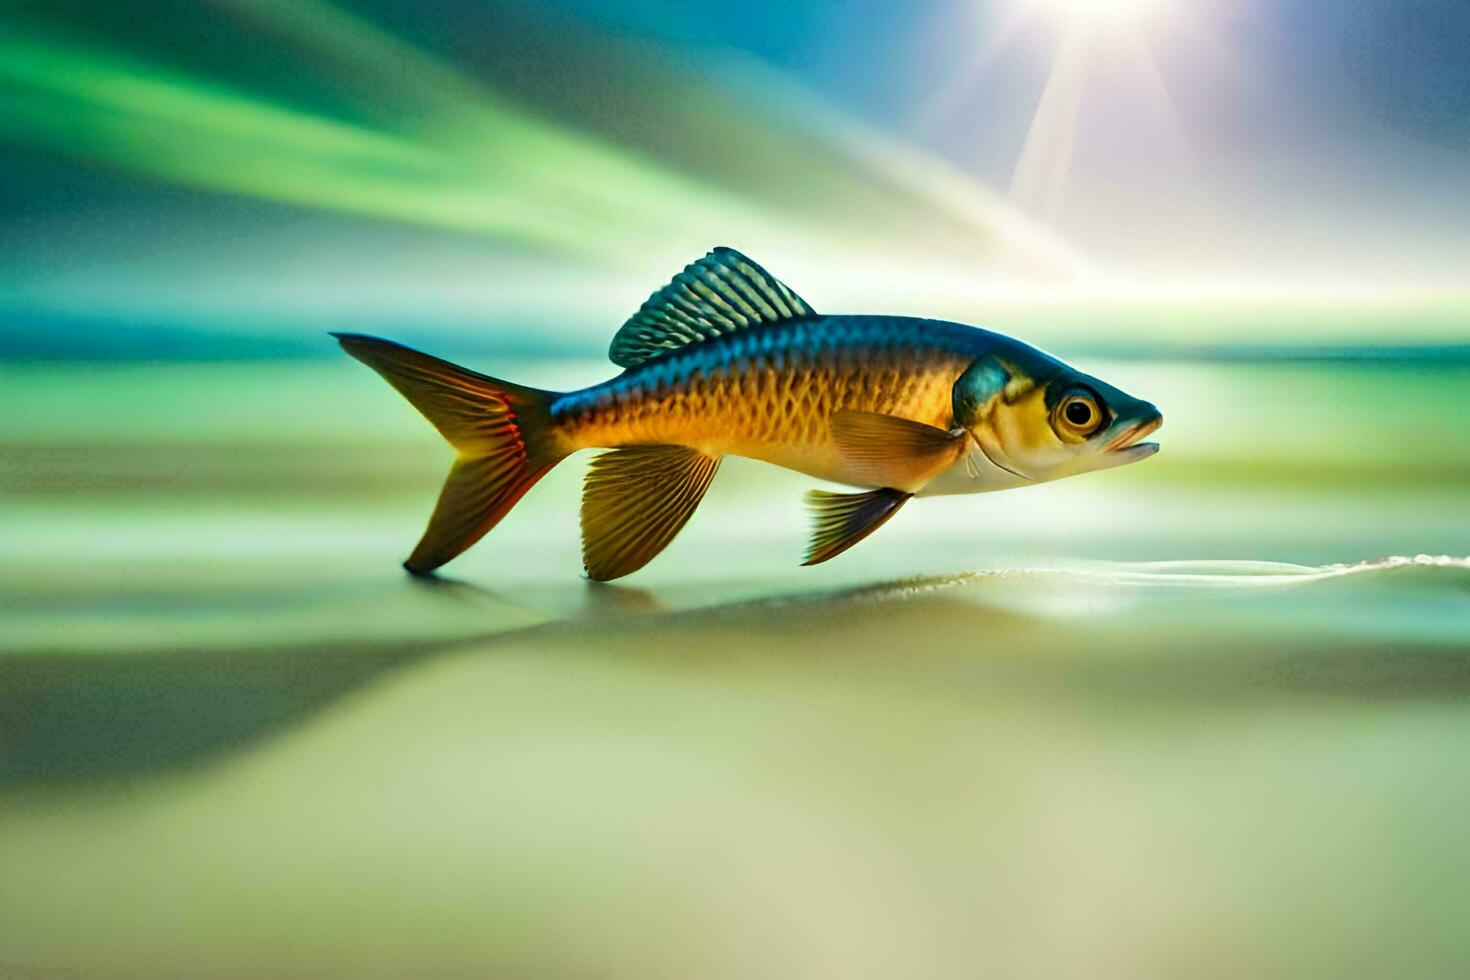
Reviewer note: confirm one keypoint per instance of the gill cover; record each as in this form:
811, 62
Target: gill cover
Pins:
976, 394
977, 389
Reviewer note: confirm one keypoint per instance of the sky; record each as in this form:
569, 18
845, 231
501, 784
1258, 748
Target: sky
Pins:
269, 168
1215, 139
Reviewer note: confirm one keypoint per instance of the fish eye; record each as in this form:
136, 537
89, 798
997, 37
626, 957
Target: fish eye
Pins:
1078, 415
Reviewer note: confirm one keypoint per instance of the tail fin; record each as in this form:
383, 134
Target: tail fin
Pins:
502, 432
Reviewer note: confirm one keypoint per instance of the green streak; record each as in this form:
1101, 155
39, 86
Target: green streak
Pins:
506, 175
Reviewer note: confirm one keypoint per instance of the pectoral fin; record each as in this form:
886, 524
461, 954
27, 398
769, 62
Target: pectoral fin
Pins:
887, 450
844, 519
634, 501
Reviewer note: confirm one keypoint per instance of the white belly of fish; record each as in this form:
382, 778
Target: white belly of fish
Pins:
971, 473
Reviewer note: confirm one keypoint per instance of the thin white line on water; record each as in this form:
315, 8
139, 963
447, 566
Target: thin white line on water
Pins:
1225, 574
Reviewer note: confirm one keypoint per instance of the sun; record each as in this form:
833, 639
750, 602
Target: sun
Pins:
1095, 13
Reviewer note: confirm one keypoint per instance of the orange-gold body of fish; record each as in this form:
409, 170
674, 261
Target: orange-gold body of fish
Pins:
726, 360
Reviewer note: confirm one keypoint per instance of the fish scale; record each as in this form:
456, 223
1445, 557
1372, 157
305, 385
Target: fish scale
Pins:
772, 395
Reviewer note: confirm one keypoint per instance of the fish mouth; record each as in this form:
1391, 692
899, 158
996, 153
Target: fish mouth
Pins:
1129, 442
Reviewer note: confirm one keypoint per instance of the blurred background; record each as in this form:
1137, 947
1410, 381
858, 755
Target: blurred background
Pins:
1203, 715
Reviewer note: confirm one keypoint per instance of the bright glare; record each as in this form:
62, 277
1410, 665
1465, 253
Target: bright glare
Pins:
1073, 13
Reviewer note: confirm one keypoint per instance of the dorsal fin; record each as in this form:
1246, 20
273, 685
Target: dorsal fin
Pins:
719, 294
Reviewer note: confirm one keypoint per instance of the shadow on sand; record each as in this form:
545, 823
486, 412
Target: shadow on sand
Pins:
84, 715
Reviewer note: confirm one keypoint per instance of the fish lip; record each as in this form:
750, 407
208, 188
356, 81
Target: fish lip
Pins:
1130, 437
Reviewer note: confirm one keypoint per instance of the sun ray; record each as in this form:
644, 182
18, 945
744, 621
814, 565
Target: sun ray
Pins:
1038, 183
1006, 25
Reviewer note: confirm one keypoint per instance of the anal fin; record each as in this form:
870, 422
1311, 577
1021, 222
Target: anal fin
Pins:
844, 519
635, 500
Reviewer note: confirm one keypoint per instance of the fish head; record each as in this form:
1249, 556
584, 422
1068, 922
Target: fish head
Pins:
1040, 419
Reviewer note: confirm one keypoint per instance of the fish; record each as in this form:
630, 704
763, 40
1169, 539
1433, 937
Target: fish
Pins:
726, 360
